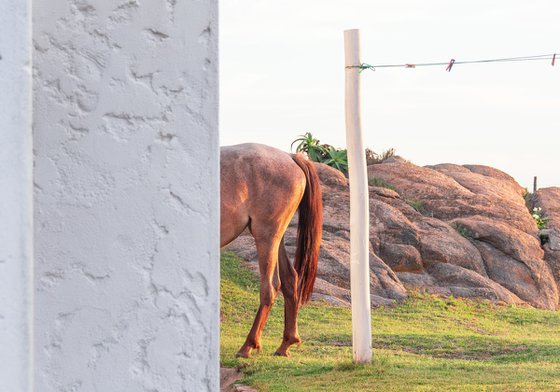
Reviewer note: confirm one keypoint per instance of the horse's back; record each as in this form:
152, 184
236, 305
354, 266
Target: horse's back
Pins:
253, 155
257, 181
258, 167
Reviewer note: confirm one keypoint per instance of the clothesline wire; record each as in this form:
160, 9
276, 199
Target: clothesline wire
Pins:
453, 62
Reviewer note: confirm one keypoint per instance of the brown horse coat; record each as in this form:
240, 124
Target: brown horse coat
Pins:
261, 189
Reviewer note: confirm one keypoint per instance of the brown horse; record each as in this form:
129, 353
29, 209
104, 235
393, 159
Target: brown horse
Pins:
261, 189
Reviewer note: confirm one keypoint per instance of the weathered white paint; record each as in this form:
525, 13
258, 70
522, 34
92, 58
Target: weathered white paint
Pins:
16, 187
127, 188
359, 205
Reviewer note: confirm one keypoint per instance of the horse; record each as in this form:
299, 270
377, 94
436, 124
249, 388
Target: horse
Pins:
261, 188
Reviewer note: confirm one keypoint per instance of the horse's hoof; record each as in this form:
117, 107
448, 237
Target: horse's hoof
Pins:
243, 355
281, 354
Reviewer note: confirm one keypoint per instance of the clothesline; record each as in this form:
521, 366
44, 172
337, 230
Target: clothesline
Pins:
452, 62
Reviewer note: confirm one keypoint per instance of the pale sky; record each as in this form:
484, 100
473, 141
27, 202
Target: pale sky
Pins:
282, 74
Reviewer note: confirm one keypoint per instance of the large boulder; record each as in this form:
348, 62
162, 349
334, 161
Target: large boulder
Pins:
451, 191
513, 259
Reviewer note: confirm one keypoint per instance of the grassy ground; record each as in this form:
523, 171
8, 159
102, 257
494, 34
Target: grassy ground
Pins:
424, 344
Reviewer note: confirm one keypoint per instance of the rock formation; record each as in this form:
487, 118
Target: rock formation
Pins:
549, 200
446, 229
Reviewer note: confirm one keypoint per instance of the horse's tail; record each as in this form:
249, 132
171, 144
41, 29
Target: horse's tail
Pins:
310, 230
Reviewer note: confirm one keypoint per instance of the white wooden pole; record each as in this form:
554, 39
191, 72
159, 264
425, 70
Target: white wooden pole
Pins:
359, 205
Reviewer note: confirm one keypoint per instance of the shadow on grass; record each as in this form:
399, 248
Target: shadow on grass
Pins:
481, 348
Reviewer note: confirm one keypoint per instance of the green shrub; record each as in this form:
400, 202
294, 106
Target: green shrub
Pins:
324, 153
337, 159
311, 146
529, 199
332, 156
372, 157
540, 220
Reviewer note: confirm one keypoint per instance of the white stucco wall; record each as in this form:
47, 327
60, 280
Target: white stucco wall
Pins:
126, 201
16, 188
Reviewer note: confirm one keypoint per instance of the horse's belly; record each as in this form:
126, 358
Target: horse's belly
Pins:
234, 216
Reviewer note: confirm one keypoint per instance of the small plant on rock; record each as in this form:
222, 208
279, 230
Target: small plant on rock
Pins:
418, 205
539, 218
463, 231
380, 182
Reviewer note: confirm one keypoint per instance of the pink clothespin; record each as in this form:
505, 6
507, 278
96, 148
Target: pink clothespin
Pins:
450, 65
553, 59
410, 65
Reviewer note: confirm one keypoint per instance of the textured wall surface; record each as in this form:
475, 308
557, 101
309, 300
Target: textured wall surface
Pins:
16, 230
126, 187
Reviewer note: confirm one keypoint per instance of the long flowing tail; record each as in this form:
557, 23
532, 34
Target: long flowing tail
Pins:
310, 230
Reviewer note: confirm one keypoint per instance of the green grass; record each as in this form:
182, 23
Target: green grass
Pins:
424, 344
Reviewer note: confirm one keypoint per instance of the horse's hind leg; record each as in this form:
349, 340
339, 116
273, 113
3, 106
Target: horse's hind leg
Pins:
289, 279
267, 249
